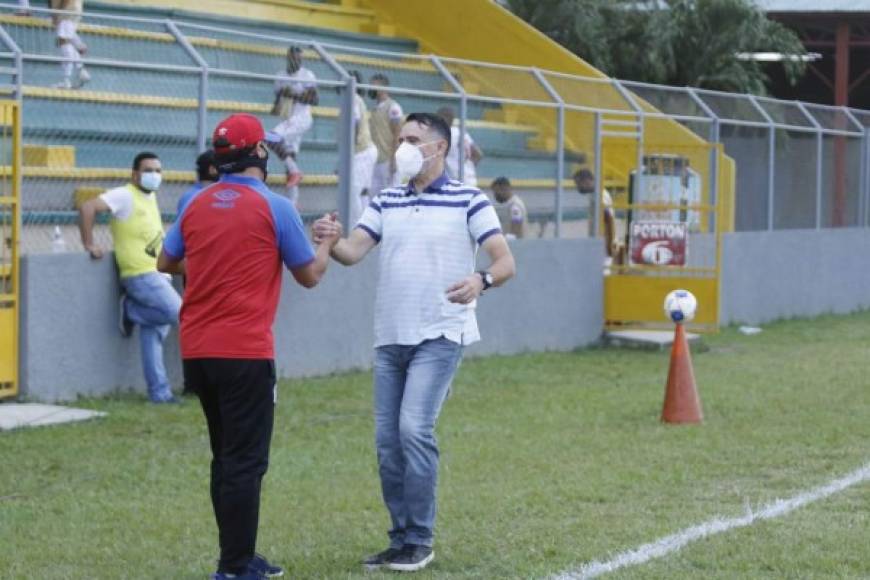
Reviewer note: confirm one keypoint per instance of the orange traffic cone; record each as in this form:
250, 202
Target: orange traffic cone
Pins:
682, 404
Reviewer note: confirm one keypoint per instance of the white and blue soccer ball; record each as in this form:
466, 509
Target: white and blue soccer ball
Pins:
680, 306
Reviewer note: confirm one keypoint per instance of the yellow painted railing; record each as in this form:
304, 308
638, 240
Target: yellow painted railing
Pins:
10, 209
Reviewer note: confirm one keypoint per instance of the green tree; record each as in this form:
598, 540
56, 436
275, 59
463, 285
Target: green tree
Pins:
675, 42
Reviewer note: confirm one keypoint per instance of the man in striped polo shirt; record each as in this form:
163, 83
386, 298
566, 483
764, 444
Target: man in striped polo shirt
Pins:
429, 232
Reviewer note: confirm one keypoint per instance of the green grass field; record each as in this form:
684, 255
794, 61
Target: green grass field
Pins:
548, 461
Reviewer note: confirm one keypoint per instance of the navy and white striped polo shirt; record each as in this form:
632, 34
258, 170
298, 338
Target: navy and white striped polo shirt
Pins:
428, 242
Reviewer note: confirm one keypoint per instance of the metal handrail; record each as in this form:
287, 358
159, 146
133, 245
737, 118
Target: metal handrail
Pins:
332, 53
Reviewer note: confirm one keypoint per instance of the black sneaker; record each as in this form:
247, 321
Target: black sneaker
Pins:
262, 566
412, 558
125, 325
249, 575
381, 559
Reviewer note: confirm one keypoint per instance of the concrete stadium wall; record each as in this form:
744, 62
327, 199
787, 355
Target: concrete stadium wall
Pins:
783, 274
71, 346
70, 343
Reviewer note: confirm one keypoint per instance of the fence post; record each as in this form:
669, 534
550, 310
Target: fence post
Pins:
345, 138
463, 110
19, 63
771, 165
202, 128
599, 164
863, 176
865, 161
820, 152
715, 128
560, 146
638, 176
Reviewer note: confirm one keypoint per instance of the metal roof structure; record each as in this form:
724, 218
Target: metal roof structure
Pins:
814, 5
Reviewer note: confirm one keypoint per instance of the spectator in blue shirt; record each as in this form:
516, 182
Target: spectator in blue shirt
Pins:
206, 174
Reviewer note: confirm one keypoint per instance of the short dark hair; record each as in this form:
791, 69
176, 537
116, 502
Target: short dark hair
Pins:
143, 156
583, 174
355, 74
204, 162
381, 77
433, 122
446, 111
293, 49
499, 181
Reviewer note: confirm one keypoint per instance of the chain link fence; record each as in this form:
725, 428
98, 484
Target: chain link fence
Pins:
162, 85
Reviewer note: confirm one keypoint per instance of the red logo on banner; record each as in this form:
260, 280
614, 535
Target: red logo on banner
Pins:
659, 243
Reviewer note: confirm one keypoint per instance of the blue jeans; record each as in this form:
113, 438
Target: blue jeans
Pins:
411, 384
153, 304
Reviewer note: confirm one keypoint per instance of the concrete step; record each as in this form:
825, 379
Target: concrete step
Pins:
17, 415
645, 339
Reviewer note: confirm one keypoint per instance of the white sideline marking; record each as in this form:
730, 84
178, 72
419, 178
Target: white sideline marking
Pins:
717, 525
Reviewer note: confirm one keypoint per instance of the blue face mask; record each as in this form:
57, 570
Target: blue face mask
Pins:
150, 181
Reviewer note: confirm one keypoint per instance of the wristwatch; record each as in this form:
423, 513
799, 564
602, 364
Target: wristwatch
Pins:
486, 277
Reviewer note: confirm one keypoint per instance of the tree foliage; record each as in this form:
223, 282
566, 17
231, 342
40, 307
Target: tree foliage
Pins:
674, 42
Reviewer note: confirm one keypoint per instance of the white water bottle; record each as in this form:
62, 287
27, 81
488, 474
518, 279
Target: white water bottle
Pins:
58, 244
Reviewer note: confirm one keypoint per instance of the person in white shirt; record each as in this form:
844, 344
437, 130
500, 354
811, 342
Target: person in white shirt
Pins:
365, 155
295, 94
470, 151
429, 232
72, 48
584, 180
385, 123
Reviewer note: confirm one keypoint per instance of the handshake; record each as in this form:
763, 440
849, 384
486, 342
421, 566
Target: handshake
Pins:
327, 230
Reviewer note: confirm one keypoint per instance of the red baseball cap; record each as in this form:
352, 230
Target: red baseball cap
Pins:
236, 133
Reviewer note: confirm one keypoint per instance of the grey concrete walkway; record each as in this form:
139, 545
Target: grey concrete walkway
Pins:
16, 415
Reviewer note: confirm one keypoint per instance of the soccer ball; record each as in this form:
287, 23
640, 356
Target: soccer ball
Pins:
680, 306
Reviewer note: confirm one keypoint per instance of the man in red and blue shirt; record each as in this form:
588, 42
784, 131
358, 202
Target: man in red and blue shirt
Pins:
231, 240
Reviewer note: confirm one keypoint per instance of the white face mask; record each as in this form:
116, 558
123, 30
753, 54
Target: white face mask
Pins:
410, 160
150, 180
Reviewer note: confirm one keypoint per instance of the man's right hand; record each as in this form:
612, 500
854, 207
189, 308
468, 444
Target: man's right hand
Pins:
95, 251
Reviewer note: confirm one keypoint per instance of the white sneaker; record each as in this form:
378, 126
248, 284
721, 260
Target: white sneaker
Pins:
84, 76
64, 84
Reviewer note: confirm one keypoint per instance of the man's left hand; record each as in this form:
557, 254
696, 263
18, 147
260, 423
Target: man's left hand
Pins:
327, 230
465, 291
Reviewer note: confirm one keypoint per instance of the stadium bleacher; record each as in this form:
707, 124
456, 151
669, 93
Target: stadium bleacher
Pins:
84, 139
